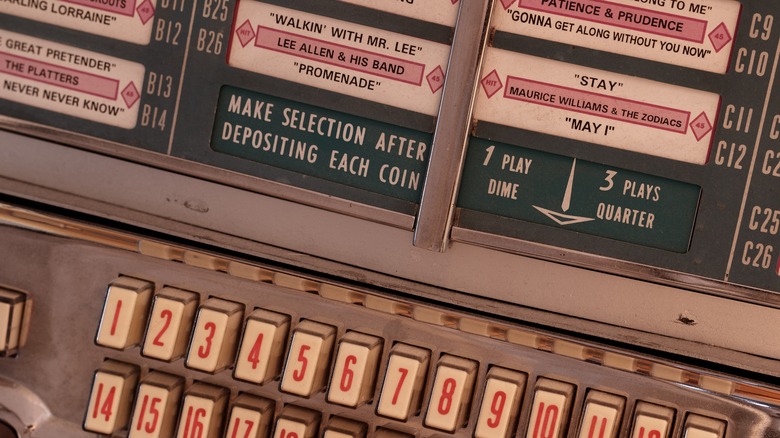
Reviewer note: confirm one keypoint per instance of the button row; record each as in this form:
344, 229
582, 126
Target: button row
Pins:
160, 408
213, 342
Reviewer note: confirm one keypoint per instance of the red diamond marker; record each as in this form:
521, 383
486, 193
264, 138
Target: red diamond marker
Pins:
491, 84
246, 33
130, 95
145, 11
701, 126
507, 3
435, 79
720, 37
454, 1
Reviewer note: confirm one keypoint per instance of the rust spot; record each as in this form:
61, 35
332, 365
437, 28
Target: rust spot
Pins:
685, 320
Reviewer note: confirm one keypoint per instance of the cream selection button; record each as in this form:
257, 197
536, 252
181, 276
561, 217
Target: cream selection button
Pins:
500, 405
110, 400
550, 409
202, 411
170, 323
402, 387
354, 372
451, 394
156, 406
262, 346
250, 417
306, 368
124, 313
214, 338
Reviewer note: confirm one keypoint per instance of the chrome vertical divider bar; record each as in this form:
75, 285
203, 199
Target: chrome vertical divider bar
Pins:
448, 151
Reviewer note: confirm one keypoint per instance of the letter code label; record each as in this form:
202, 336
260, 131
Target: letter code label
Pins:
691, 34
69, 81
339, 56
596, 106
126, 20
433, 11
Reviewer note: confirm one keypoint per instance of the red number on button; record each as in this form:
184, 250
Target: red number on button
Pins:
652, 434
496, 408
167, 314
116, 317
299, 374
254, 353
593, 423
348, 374
447, 391
404, 372
249, 426
544, 432
204, 350
105, 406
286, 434
193, 428
151, 426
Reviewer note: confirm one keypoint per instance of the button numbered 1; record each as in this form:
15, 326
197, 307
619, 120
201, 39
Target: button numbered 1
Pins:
451, 393
404, 381
550, 410
215, 335
111, 397
260, 356
308, 359
354, 371
124, 313
158, 398
500, 403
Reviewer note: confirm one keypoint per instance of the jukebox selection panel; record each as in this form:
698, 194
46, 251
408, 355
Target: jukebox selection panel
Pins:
635, 130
